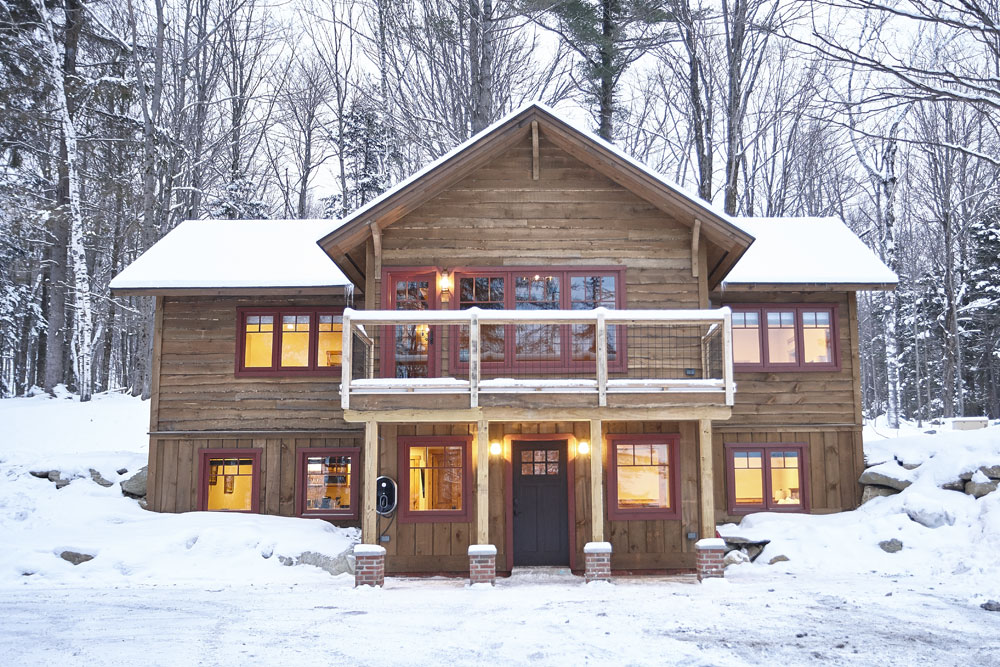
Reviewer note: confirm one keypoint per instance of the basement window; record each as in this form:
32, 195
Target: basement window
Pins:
288, 341
765, 477
230, 480
328, 482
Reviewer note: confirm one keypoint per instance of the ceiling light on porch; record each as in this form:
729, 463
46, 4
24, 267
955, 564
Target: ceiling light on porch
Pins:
583, 448
496, 448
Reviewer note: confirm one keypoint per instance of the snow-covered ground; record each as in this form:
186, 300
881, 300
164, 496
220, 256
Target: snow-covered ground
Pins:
210, 589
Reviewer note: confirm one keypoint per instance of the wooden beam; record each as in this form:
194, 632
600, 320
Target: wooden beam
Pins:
369, 519
596, 481
469, 415
370, 290
706, 480
377, 243
852, 319
703, 300
534, 150
154, 369
483, 482
695, 236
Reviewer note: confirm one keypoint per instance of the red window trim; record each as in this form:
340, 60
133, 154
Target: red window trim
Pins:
672, 441
275, 370
800, 366
300, 482
406, 515
205, 454
766, 449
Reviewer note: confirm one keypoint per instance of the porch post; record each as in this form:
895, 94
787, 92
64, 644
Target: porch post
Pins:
596, 481
483, 482
706, 481
369, 530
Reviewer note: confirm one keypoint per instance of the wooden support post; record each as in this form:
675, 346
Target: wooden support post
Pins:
369, 519
706, 480
727, 355
695, 238
534, 150
596, 481
346, 353
377, 242
602, 359
483, 482
474, 359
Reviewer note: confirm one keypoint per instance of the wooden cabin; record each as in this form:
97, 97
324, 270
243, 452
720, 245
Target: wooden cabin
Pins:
541, 341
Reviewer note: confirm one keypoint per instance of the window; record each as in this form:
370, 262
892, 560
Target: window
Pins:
328, 483
643, 477
289, 341
793, 337
766, 477
229, 480
434, 479
409, 352
542, 347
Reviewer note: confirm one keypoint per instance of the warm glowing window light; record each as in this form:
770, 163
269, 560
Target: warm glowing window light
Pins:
230, 484
643, 472
436, 478
259, 341
295, 340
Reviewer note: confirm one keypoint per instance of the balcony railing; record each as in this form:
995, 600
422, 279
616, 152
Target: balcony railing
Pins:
476, 352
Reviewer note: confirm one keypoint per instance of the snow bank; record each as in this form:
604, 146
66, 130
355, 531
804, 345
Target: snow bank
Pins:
39, 522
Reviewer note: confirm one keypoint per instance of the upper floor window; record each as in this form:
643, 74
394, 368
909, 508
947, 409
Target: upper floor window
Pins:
785, 337
288, 340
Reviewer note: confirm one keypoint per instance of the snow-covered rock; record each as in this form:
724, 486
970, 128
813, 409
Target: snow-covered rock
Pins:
927, 511
980, 485
890, 546
135, 486
889, 474
874, 491
735, 558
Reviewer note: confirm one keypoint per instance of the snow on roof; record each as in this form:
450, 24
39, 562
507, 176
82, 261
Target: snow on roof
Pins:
806, 251
235, 253
701, 203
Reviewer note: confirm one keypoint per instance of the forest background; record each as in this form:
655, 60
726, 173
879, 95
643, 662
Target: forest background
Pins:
118, 120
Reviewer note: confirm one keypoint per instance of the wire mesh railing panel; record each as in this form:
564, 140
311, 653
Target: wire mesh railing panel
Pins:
665, 351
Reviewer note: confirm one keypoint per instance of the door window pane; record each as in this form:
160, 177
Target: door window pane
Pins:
817, 337
412, 345
537, 342
295, 341
230, 484
586, 293
259, 341
781, 337
486, 292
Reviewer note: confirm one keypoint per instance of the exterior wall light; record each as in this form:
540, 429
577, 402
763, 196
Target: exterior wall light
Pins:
446, 283
496, 448
583, 448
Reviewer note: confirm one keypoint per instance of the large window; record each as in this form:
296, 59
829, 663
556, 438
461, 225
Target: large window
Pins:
434, 479
288, 341
328, 482
540, 347
410, 351
785, 337
229, 480
643, 477
766, 477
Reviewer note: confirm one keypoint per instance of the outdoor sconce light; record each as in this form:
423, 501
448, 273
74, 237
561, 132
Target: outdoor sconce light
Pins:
583, 448
496, 448
446, 283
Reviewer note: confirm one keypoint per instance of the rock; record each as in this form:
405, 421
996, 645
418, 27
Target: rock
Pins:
122, 471
887, 474
99, 478
991, 605
143, 504
56, 478
287, 561
992, 472
909, 466
75, 557
41, 474
135, 486
980, 489
777, 559
957, 485
735, 557
751, 548
927, 513
874, 491
890, 546
333, 564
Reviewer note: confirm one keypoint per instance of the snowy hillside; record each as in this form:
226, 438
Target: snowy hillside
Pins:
205, 588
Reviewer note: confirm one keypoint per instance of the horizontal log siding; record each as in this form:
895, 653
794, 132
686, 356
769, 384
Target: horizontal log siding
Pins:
177, 474
198, 387
572, 215
835, 463
790, 399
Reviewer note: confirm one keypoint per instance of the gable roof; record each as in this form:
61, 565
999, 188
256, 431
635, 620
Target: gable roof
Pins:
231, 254
435, 178
807, 251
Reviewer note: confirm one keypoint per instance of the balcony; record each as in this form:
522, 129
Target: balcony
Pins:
505, 361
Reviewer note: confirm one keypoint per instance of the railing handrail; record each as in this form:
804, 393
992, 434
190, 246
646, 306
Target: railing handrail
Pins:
611, 316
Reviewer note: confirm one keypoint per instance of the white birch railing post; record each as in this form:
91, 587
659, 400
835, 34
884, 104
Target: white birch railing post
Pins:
474, 357
345, 360
602, 357
727, 353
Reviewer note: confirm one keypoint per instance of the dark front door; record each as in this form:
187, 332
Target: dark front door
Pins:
541, 521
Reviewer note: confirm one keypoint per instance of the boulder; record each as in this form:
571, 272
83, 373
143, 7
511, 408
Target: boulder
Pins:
56, 478
993, 472
735, 557
888, 474
956, 485
777, 559
874, 491
75, 557
122, 471
135, 486
751, 548
890, 546
333, 564
99, 478
991, 605
980, 489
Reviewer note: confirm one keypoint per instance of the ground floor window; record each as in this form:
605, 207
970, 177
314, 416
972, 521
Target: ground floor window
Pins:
434, 478
642, 477
766, 477
328, 482
229, 480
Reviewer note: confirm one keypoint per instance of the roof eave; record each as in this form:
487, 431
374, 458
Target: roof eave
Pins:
807, 287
